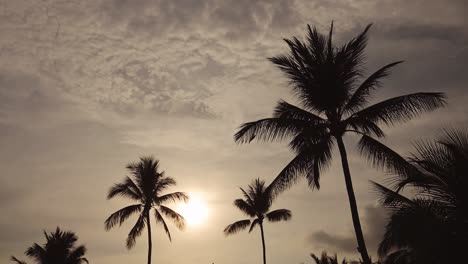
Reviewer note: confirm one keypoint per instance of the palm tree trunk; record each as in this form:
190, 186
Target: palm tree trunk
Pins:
352, 203
150, 244
263, 243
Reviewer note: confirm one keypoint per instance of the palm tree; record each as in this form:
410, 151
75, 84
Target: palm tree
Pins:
256, 204
326, 259
431, 226
59, 249
145, 186
332, 101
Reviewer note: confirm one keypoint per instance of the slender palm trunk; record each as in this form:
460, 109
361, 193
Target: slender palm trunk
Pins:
150, 244
352, 203
263, 243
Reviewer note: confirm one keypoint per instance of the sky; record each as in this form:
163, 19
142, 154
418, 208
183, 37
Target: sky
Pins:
89, 86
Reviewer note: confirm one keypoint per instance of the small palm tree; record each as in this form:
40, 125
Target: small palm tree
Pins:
145, 186
326, 259
59, 248
333, 102
256, 204
431, 226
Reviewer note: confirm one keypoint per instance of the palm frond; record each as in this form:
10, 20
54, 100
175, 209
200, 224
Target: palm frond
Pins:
163, 183
286, 110
279, 215
244, 207
76, 255
36, 252
14, 259
236, 227
402, 108
121, 215
383, 157
136, 231
178, 219
361, 96
301, 164
389, 198
127, 189
255, 222
269, 129
161, 220
363, 126
174, 197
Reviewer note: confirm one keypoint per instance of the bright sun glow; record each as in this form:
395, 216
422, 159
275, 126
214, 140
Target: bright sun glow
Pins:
195, 211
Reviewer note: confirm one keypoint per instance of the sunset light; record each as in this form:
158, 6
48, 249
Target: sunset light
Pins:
195, 211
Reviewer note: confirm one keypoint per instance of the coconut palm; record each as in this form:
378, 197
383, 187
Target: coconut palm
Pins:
332, 103
326, 259
431, 226
256, 204
58, 249
145, 186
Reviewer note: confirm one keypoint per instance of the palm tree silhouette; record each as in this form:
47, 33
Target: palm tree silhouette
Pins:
326, 79
432, 225
145, 186
256, 204
59, 249
326, 259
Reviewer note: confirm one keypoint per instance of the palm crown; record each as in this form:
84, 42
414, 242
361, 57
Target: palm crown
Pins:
58, 249
325, 79
145, 186
256, 204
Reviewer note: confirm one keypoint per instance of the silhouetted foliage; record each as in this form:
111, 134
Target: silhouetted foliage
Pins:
430, 226
327, 259
145, 186
327, 80
58, 249
256, 204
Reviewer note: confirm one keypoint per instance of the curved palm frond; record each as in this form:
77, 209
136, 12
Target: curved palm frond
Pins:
299, 165
36, 252
402, 108
178, 219
161, 220
279, 215
174, 197
236, 227
244, 207
136, 231
269, 130
364, 91
163, 183
383, 157
286, 110
124, 190
121, 215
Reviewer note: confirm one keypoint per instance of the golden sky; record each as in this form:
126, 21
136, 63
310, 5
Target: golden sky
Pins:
88, 86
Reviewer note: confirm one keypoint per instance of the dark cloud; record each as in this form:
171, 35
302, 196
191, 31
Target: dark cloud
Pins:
373, 221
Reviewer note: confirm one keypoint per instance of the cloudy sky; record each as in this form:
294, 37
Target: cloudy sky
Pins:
88, 86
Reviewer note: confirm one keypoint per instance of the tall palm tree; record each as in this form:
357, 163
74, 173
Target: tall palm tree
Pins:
256, 204
59, 249
332, 103
145, 186
431, 226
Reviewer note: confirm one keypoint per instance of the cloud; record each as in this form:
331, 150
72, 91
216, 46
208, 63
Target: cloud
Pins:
373, 221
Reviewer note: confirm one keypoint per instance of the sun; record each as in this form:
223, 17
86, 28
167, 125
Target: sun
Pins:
195, 211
